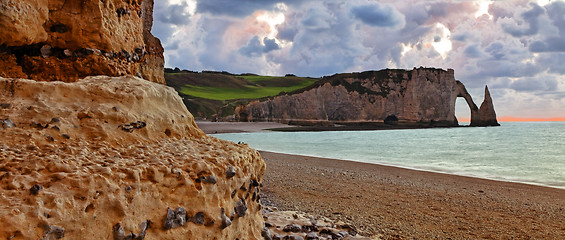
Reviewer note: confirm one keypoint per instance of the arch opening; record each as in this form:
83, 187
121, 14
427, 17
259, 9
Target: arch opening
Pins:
462, 112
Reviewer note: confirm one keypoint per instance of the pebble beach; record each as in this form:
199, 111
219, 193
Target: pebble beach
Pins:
384, 202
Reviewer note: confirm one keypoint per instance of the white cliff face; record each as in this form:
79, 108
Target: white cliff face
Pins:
422, 95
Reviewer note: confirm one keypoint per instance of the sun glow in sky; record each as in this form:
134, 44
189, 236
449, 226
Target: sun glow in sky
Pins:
272, 19
483, 9
443, 46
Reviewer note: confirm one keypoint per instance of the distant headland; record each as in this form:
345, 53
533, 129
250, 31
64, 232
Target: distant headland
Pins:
388, 98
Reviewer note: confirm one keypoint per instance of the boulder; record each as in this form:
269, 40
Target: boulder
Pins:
102, 182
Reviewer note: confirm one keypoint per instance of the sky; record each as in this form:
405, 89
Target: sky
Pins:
516, 47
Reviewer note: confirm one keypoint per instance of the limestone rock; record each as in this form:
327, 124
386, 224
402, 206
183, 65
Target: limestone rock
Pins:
486, 116
422, 95
82, 38
102, 182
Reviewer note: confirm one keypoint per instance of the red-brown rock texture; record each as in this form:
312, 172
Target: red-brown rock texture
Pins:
422, 96
58, 40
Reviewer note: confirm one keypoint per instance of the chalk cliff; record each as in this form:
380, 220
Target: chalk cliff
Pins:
68, 40
485, 116
104, 157
422, 95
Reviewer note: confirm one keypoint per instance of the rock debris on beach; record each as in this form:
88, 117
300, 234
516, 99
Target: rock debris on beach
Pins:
299, 225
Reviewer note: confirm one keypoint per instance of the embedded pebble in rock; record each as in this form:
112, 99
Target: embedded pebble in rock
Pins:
230, 172
241, 208
45, 51
266, 234
174, 219
7, 123
225, 220
311, 236
53, 233
199, 218
9, 105
118, 231
292, 228
143, 229
35, 189
210, 179
49, 138
293, 237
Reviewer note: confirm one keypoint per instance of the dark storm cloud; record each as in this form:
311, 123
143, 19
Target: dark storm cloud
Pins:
473, 51
534, 84
530, 18
556, 13
496, 50
554, 61
316, 19
238, 8
379, 15
176, 14
255, 48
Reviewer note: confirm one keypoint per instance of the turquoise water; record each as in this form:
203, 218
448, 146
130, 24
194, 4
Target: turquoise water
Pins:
532, 152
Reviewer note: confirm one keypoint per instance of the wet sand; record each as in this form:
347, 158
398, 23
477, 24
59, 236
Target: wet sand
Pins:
396, 203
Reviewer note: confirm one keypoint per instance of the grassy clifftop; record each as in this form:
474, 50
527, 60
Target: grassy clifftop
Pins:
210, 94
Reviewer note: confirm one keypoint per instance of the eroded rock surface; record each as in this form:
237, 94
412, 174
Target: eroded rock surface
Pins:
422, 95
68, 40
485, 115
69, 171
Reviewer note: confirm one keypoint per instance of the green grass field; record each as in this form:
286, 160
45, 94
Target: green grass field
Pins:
262, 86
216, 94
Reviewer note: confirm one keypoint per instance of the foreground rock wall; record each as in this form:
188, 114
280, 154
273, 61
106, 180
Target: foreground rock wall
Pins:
105, 158
423, 95
68, 40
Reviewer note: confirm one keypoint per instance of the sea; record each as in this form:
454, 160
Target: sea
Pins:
525, 152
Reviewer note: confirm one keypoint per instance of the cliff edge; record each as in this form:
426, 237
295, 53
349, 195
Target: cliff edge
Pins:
419, 96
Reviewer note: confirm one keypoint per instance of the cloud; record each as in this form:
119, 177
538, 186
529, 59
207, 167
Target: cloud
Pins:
530, 17
473, 51
556, 13
240, 8
317, 19
379, 15
175, 14
534, 84
256, 48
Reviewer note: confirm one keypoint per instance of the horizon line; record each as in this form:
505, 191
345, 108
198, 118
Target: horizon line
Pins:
520, 119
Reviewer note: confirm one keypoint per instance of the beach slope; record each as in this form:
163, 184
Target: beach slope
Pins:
396, 203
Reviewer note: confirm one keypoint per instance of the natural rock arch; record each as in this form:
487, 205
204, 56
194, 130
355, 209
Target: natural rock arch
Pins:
480, 117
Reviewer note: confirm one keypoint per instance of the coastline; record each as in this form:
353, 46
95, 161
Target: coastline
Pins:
242, 127
398, 203
237, 127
